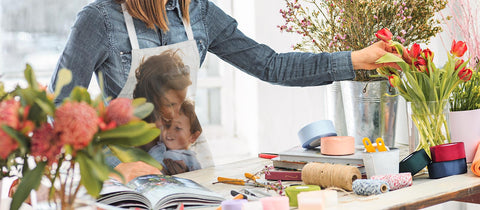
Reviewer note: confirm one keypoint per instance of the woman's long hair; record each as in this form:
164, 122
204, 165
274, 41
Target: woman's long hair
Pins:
153, 12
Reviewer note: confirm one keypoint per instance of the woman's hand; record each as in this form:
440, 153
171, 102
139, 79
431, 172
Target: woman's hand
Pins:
135, 169
366, 57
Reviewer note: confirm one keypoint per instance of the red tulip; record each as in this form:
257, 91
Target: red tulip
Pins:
458, 63
428, 54
458, 48
384, 34
465, 74
421, 65
394, 80
415, 50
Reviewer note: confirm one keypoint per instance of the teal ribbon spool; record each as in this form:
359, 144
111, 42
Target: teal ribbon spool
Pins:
293, 191
415, 162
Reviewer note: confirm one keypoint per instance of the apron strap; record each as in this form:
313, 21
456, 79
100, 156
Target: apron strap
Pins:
132, 35
188, 29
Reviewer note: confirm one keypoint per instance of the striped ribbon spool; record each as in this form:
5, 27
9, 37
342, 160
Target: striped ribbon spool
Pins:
396, 181
369, 187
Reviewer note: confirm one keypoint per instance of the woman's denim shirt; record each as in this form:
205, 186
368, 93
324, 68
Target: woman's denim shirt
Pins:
99, 43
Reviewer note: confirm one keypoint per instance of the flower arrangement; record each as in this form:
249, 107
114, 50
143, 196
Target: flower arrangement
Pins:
425, 86
337, 25
73, 143
465, 24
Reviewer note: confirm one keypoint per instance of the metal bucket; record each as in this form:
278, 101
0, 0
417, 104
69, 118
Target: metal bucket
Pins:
335, 111
369, 110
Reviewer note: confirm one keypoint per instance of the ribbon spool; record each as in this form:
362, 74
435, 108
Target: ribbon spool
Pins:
311, 134
476, 162
414, 162
447, 168
337, 145
330, 175
293, 191
396, 181
369, 187
448, 152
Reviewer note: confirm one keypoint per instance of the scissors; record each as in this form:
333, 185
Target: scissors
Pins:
370, 148
250, 177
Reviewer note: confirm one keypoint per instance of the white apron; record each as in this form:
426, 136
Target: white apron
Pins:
190, 56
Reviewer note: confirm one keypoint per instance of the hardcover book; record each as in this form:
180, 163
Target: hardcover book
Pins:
299, 154
157, 192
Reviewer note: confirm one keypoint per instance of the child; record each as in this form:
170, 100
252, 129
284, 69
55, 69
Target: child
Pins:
177, 136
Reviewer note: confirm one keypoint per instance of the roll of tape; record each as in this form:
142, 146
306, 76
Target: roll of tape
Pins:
448, 168
448, 152
414, 162
396, 181
293, 191
310, 134
369, 187
337, 145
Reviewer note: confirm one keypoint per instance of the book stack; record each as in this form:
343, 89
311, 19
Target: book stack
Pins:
296, 157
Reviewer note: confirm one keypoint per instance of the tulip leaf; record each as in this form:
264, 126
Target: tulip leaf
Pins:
29, 182
131, 154
64, 77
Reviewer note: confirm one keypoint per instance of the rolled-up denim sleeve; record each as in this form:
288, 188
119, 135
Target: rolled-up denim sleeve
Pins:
261, 61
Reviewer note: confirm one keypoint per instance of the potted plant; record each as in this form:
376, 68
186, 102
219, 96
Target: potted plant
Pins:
464, 113
337, 25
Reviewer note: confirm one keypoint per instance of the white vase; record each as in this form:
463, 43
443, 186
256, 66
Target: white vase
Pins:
464, 127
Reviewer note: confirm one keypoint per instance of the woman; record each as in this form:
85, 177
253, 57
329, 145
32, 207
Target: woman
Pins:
105, 40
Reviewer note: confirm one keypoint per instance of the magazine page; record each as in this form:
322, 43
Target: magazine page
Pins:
167, 192
117, 194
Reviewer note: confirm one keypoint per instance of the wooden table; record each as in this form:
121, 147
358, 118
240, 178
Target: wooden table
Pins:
423, 193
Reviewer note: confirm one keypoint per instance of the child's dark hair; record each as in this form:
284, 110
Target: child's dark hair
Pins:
158, 74
188, 109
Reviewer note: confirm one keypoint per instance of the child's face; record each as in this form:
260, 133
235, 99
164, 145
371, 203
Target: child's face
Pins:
171, 102
177, 135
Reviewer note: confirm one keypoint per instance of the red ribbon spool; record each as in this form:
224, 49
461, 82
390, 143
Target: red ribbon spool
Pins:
448, 152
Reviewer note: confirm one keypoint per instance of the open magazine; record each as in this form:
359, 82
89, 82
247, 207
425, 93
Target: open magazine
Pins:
157, 192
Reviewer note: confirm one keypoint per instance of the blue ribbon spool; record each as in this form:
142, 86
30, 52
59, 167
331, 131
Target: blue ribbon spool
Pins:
448, 168
310, 134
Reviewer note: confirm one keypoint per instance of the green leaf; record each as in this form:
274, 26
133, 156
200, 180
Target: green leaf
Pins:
90, 181
46, 105
80, 94
97, 169
391, 58
131, 134
131, 154
21, 139
64, 77
31, 180
30, 77
138, 102
143, 110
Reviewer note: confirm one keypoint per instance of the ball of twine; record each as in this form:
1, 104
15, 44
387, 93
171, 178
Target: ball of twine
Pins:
330, 175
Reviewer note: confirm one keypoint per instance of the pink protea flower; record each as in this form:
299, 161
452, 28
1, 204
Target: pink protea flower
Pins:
75, 124
7, 144
9, 113
120, 110
44, 143
8, 116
